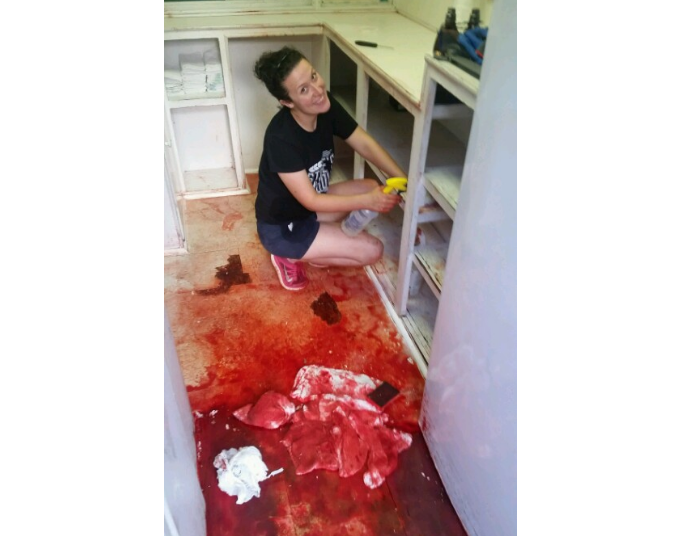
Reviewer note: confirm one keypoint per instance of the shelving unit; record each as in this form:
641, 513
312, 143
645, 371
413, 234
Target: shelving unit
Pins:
431, 143
435, 173
202, 132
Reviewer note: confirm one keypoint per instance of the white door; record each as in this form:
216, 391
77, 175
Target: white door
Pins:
174, 229
469, 407
174, 233
184, 502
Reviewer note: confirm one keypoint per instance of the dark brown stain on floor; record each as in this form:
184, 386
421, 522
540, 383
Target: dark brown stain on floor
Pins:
230, 274
325, 307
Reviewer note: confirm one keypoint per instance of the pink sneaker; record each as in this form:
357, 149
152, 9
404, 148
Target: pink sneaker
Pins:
291, 274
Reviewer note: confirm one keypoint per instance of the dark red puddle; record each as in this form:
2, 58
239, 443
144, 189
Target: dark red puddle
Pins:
410, 502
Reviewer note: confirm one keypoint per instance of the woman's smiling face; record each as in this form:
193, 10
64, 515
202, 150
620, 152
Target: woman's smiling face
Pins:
306, 89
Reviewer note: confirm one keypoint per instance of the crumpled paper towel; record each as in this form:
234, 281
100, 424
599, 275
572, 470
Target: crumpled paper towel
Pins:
239, 472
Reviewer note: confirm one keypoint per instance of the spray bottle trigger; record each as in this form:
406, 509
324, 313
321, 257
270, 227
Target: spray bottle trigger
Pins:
396, 183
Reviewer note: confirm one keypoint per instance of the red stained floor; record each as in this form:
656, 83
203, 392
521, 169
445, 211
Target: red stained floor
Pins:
239, 334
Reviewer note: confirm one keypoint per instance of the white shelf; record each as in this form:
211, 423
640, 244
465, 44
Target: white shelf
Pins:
387, 227
346, 97
431, 261
443, 183
452, 111
393, 130
208, 98
431, 212
211, 180
420, 319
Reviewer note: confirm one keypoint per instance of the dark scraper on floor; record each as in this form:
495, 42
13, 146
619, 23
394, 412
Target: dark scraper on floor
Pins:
383, 394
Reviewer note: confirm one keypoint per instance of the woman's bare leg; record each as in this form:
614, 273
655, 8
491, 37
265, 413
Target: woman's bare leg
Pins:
332, 247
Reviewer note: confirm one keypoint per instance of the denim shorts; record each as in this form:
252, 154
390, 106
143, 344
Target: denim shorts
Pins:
290, 240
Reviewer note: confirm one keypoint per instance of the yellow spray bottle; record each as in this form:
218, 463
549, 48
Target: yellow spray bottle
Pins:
358, 219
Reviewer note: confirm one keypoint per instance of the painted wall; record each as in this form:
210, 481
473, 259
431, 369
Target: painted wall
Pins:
254, 104
470, 406
433, 13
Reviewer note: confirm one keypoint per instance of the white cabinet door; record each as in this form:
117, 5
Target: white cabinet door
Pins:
184, 502
174, 234
469, 412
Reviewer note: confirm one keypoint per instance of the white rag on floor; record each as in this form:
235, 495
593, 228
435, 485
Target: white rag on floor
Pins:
239, 472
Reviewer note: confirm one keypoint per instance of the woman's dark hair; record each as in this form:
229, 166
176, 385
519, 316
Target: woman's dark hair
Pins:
273, 67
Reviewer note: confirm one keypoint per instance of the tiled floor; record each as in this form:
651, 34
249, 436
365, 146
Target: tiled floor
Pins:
239, 334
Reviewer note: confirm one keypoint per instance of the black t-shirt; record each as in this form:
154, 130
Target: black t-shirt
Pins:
288, 148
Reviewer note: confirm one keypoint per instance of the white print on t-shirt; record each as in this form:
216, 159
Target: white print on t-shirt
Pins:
319, 173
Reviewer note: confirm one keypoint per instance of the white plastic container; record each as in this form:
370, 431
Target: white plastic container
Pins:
357, 220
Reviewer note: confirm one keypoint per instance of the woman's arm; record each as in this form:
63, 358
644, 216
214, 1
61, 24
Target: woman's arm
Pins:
367, 147
300, 186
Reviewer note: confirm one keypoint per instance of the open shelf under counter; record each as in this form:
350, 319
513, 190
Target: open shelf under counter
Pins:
345, 95
423, 304
387, 227
342, 169
429, 212
392, 129
443, 183
420, 319
452, 111
430, 260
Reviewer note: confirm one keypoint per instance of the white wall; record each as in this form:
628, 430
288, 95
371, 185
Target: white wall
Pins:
470, 404
254, 104
433, 13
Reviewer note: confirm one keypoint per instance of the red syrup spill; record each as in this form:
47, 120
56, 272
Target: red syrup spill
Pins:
265, 336
234, 346
230, 274
410, 502
325, 307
